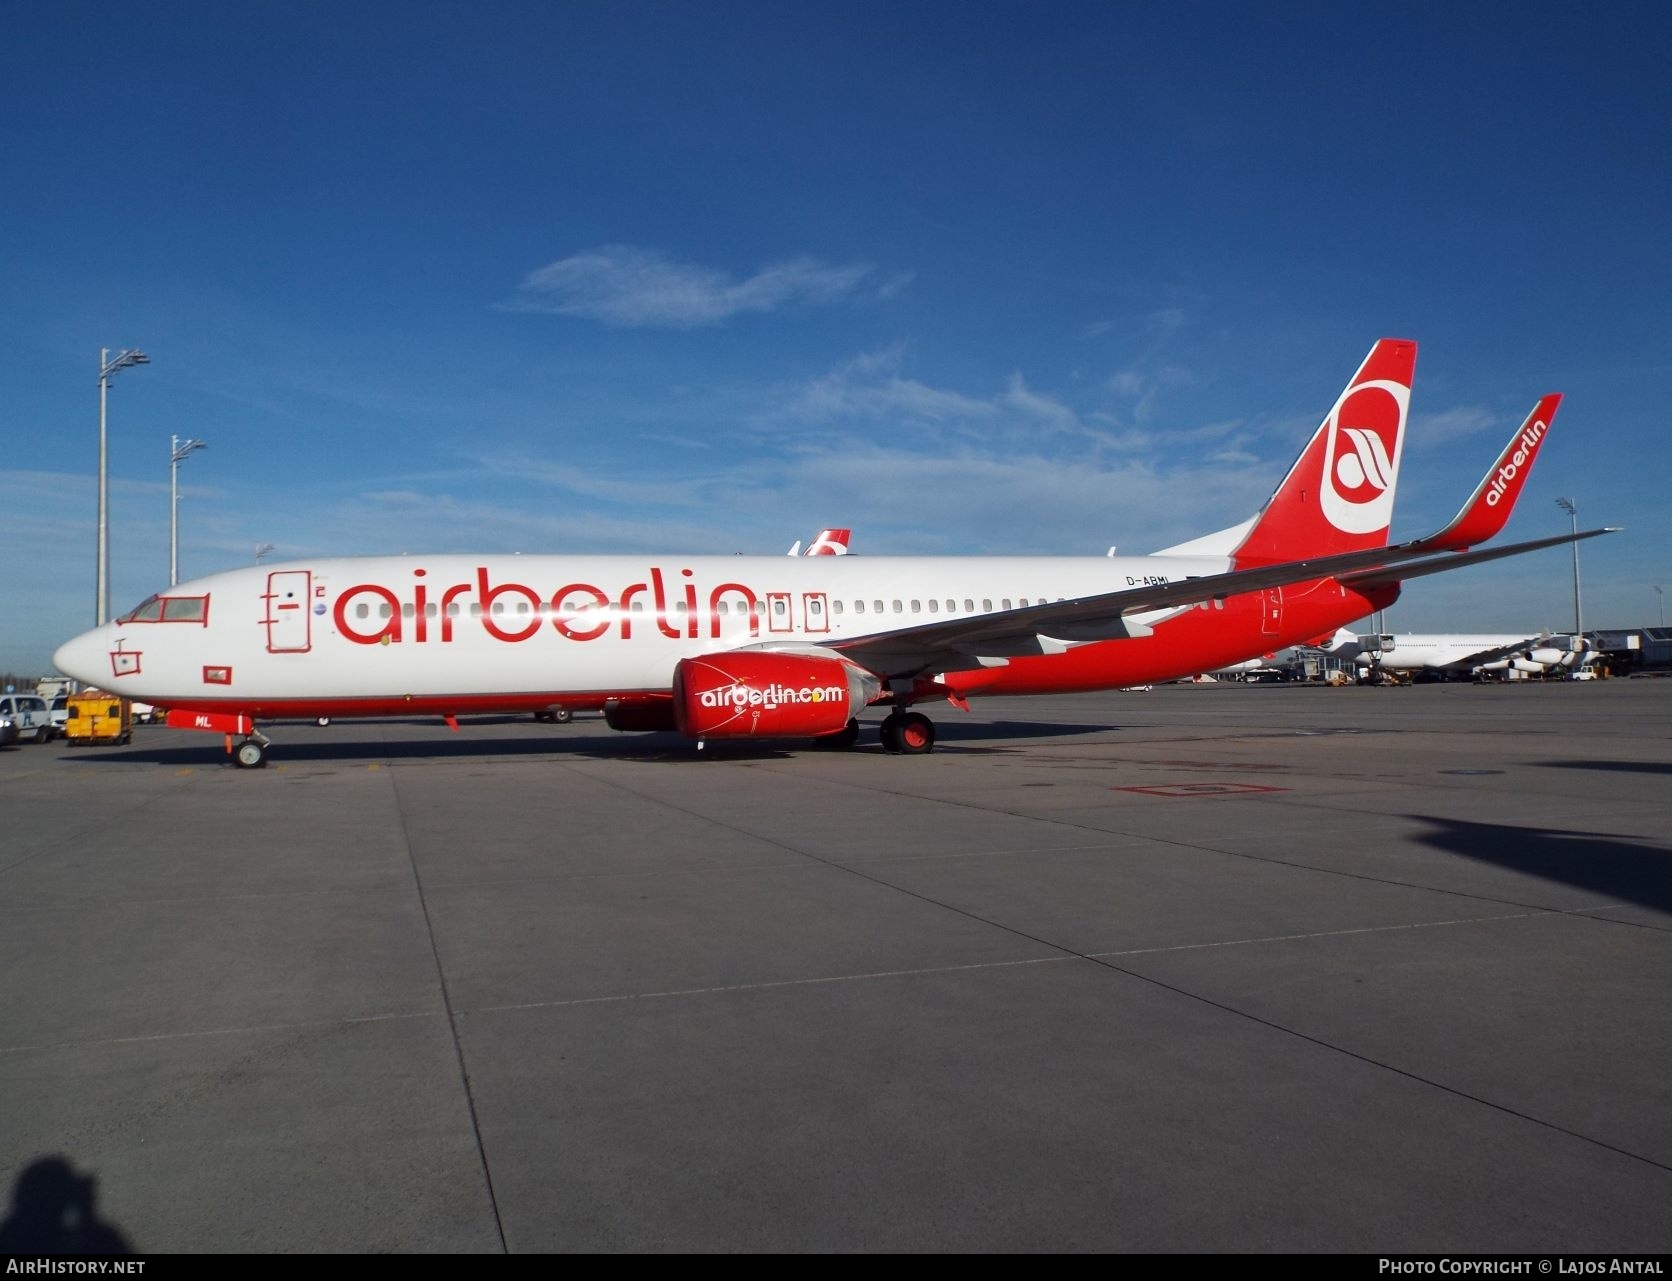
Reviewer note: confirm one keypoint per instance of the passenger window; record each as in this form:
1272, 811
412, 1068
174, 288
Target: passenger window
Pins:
898, 608
362, 610
934, 607
969, 605
383, 610
723, 609
916, 607
835, 607
986, 604
777, 609
1005, 603
406, 610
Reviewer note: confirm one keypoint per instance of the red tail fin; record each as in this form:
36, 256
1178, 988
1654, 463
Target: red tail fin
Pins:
1338, 497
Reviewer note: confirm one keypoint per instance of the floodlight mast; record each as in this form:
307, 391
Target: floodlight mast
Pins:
178, 449
108, 369
1572, 509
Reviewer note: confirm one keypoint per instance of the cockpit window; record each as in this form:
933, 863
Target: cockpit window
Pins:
151, 611
170, 609
184, 609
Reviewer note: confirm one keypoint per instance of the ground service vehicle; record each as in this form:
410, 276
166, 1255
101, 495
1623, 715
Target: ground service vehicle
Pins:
98, 717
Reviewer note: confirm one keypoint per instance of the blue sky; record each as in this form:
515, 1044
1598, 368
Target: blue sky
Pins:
967, 277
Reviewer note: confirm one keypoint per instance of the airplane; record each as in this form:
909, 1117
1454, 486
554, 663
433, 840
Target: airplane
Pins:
734, 647
830, 542
1455, 654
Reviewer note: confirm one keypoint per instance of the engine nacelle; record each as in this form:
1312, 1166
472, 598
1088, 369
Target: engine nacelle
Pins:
1527, 665
1550, 656
763, 695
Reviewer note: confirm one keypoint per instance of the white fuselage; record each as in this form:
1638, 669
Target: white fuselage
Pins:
473, 627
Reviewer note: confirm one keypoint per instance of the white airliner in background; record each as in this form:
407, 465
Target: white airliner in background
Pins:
1460, 654
775, 646
830, 542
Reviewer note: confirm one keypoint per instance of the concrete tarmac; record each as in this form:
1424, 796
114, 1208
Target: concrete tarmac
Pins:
1200, 969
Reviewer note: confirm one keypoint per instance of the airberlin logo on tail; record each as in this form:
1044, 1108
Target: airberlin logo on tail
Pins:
1525, 448
1361, 456
770, 697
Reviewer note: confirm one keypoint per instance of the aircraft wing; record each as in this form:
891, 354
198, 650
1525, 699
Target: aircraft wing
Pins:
957, 644
1457, 560
1491, 654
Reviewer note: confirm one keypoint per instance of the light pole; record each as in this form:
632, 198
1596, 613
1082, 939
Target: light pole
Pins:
1572, 509
108, 369
178, 449
1661, 592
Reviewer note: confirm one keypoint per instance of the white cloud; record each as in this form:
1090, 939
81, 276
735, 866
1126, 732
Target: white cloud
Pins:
1451, 424
1053, 413
632, 287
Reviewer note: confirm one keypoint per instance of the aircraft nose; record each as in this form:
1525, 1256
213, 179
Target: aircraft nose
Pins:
85, 657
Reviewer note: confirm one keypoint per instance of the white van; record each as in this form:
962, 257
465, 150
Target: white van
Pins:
30, 711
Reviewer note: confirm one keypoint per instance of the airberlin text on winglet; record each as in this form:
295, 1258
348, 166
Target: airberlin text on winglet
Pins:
1526, 447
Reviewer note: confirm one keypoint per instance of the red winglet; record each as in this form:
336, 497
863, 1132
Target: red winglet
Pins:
1488, 508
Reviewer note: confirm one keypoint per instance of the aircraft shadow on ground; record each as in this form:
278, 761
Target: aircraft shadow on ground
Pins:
305, 743
1619, 870
1623, 767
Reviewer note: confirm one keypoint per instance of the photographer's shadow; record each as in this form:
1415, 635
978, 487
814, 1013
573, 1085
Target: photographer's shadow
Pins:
53, 1212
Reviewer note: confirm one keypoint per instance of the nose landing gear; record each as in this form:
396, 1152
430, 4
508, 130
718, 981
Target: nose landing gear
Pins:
252, 752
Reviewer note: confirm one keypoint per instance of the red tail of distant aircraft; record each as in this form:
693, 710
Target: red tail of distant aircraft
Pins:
774, 646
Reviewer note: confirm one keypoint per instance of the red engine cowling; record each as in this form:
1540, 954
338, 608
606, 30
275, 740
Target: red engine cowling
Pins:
760, 695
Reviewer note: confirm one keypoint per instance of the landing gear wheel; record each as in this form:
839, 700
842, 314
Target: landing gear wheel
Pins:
842, 739
915, 734
889, 732
322, 721
908, 733
562, 715
250, 754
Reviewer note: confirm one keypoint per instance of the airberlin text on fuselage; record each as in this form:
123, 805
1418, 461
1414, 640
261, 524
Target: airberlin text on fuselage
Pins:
578, 611
1525, 448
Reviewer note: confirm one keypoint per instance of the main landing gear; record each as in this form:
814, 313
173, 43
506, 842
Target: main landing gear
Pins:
903, 734
908, 734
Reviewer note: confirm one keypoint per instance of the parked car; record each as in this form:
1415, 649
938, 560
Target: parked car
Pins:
31, 713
